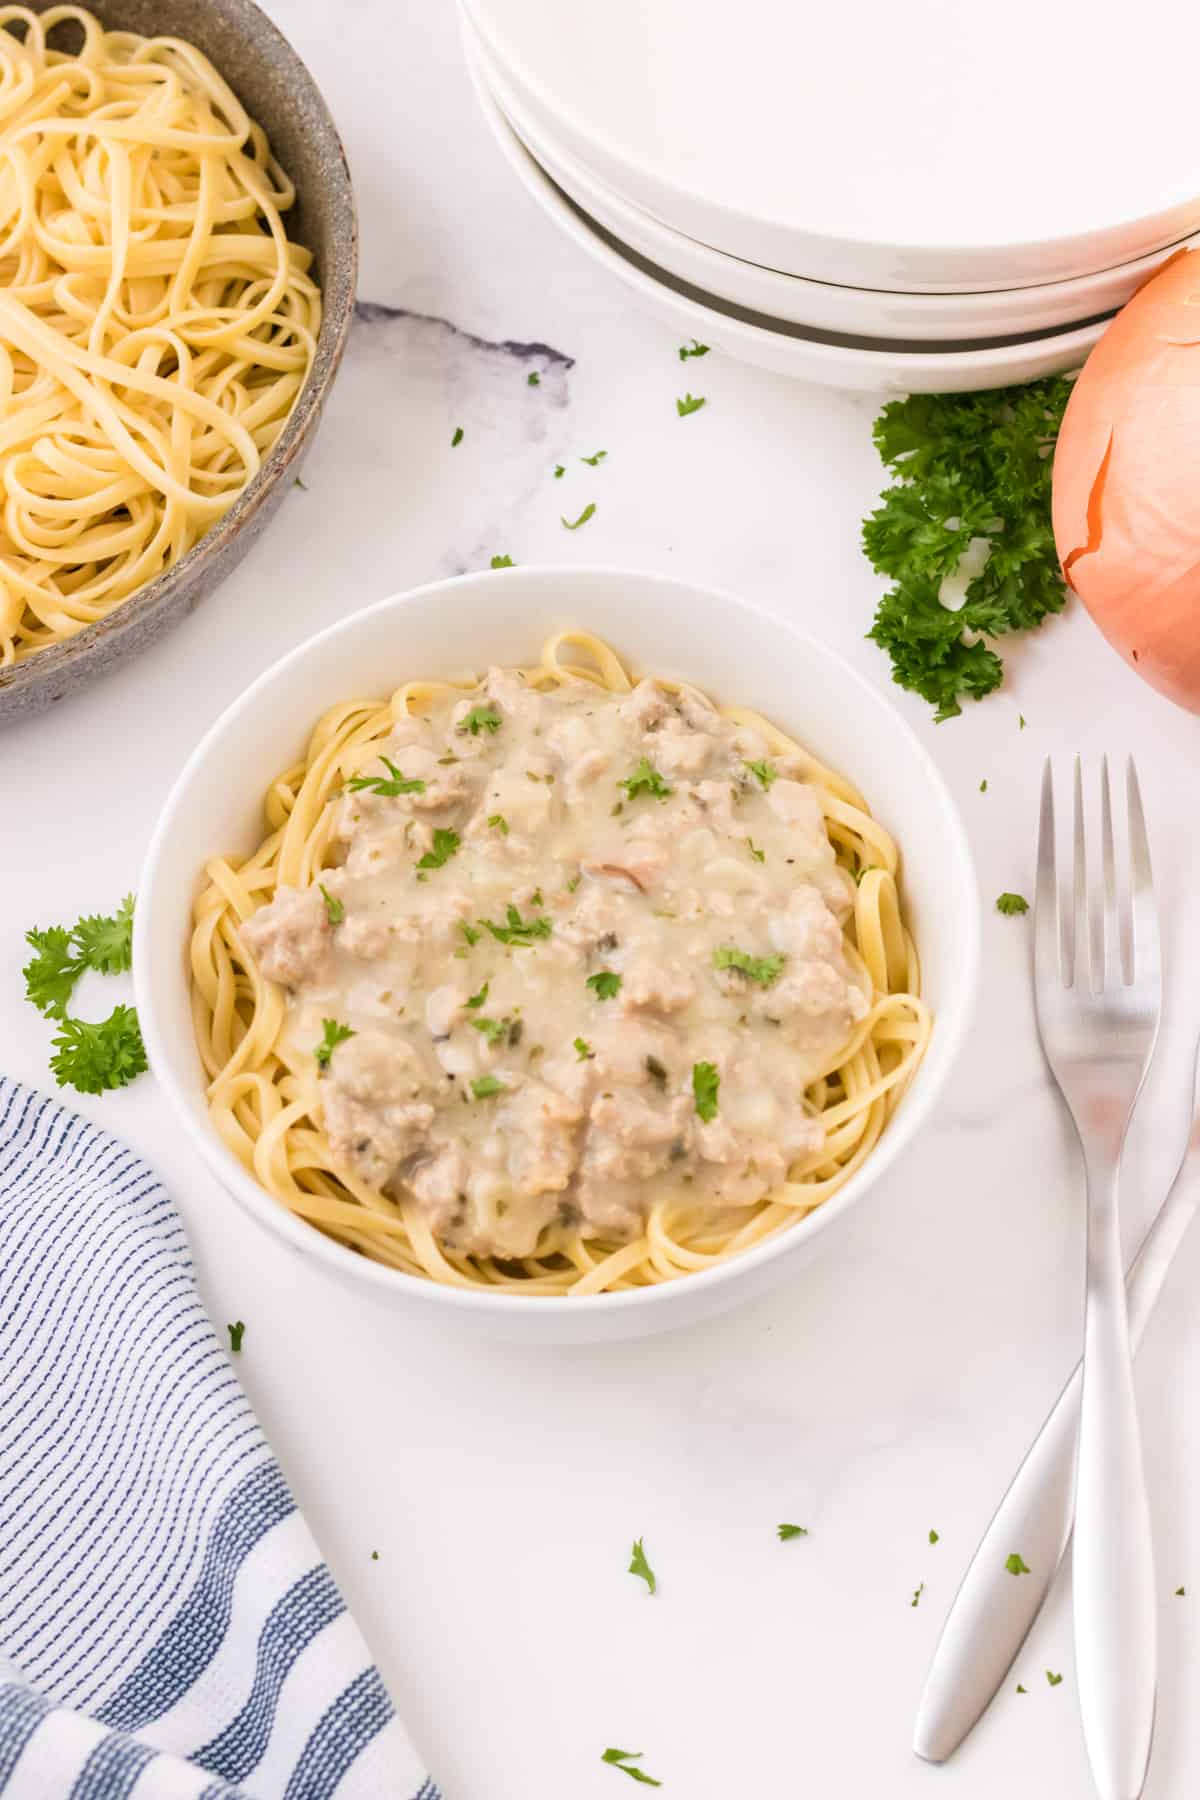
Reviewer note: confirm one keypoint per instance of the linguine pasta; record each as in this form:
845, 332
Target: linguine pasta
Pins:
156, 323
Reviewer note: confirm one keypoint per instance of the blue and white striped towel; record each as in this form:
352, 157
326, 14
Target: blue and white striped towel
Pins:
168, 1629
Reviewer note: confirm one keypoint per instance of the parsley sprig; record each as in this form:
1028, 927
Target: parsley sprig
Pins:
88, 1057
92, 1058
967, 466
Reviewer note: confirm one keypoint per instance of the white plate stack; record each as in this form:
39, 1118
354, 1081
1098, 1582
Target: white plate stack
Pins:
931, 196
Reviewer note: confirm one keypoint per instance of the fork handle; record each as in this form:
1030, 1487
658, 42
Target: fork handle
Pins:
1116, 1647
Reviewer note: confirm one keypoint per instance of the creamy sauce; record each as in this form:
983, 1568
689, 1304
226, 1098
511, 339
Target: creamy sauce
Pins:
665, 976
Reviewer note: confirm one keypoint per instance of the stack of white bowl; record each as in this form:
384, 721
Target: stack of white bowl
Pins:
917, 198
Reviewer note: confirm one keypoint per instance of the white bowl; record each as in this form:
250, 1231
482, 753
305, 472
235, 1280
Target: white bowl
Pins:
719, 642
865, 365
864, 312
933, 145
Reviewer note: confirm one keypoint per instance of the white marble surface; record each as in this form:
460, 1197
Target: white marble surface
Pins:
890, 1388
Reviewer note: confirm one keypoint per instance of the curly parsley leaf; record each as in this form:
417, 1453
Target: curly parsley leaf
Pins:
92, 1058
334, 1034
706, 1085
389, 785
763, 969
481, 718
106, 943
606, 985
624, 1760
640, 1567
968, 467
445, 844
645, 780
1012, 903
51, 974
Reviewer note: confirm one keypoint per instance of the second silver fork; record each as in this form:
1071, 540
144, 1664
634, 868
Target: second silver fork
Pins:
1098, 986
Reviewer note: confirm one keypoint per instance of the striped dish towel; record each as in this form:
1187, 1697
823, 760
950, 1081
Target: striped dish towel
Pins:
168, 1629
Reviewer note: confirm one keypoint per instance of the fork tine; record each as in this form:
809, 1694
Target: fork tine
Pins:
1084, 965
1107, 923
1049, 950
1145, 955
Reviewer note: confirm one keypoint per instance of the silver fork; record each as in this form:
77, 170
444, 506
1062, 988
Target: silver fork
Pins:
1098, 988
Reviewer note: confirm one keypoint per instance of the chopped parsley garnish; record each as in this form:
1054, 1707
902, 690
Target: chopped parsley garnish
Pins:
445, 843
1021, 1690
656, 1070
236, 1333
1016, 1565
639, 1566
101, 942
756, 853
1012, 903
606, 985
1052, 1678
492, 1029
967, 467
476, 1000
1020, 721
766, 772
624, 1759
696, 348
481, 718
535, 899
933, 1537
593, 462
559, 471
1179, 1593
583, 1050
533, 379
763, 969
335, 911
93, 1058
706, 1085
498, 822
389, 785
573, 883
302, 485
689, 404
503, 562
457, 439
484, 1086
791, 1531
517, 930
335, 1034
585, 515
917, 1592
469, 932
645, 780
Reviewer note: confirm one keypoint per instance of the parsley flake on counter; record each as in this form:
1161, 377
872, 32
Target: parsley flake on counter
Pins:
933, 1537
93, 1058
445, 844
1179, 1593
503, 562
756, 853
689, 404
1021, 1690
696, 348
481, 718
335, 1034
484, 1086
765, 772
517, 930
917, 1592
559, 471
374, 1556
791, 1531
971, 472
1016, 1565
533, 379
585, 515
645, 780
1012, 903
457, 439
606, 985
498, 822
335, 911
623, 1759
763, 969
1052, 1678
389, 785
983, 785
593, 462
706, 1085
583, 1050
640, 1567
469, 932
1020, 721
236, 1333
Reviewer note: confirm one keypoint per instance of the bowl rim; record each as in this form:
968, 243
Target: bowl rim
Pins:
953, 1022
98, 640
